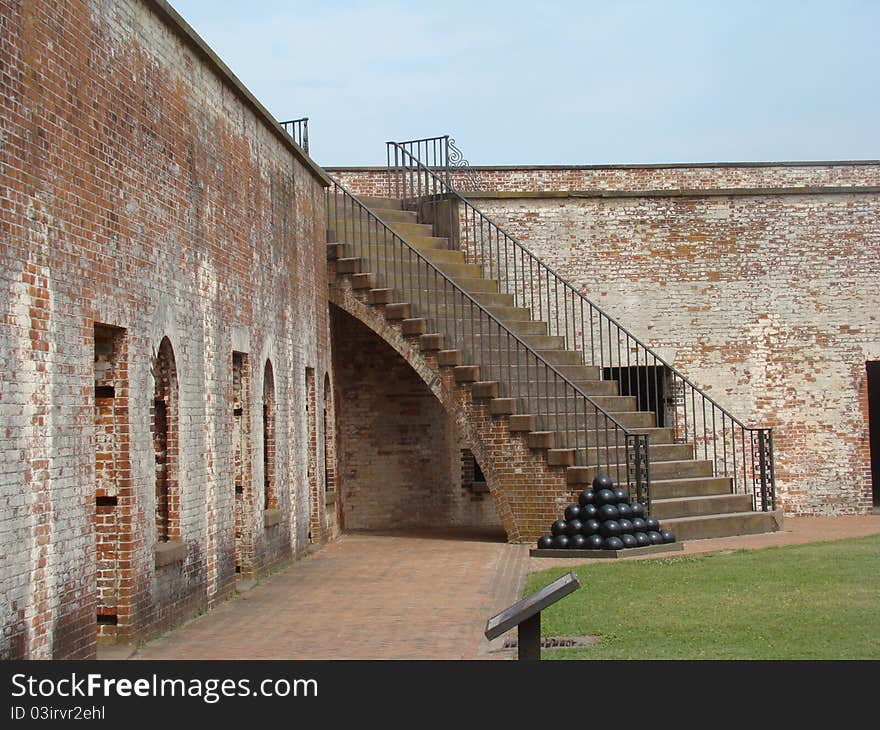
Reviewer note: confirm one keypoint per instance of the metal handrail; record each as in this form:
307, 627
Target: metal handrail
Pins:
299, 130
601, 339
522, 372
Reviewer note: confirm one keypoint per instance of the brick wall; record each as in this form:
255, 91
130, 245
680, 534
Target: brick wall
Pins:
400, 451
628, 178
762, 289
145, 197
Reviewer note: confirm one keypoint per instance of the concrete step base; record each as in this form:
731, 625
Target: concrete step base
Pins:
715, 504
725, 525
689, 487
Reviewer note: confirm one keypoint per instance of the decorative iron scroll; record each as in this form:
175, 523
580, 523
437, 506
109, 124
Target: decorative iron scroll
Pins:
456, 163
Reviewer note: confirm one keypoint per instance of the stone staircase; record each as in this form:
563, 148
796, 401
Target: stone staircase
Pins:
687, 496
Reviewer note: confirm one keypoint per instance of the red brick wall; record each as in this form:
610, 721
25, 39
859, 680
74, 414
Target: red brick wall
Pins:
141, 191
400, 451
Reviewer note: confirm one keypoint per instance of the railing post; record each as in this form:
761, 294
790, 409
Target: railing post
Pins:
762, 460
772, 470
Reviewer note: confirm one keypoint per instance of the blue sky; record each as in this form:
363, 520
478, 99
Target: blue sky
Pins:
586, 82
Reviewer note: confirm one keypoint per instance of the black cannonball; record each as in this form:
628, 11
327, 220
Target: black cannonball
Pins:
605, 496
595, 542
639, 525
628, 540
588, 496
638, 509
608, 512
545, 542
620, 495
577, 542
560, 542
613, 543
655, 537
667, 536
625, 510
589, 512
610, 528
625, 526
642, 539
560, 527
572, 512
590, 527
574, 528
603, 481
652, 523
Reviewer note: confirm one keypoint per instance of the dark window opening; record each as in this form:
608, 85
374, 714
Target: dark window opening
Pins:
647, 383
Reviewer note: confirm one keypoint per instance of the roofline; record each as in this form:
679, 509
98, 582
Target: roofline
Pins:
652, 166
185, 32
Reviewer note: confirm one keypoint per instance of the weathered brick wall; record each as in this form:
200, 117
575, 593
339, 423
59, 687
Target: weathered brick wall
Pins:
513, 179
142, 191
768, 302
400, 451
766, 297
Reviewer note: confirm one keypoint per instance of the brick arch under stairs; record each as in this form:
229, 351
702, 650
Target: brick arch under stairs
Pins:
521, 483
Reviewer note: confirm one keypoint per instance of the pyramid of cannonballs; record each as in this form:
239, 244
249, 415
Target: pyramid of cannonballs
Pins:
605, 519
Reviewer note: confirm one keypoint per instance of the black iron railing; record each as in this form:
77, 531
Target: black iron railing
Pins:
743, 453
533, 385
442, 156
299, 130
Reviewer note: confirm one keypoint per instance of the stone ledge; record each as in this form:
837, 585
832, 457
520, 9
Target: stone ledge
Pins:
169, 553
671, 193
669, 547
271, 517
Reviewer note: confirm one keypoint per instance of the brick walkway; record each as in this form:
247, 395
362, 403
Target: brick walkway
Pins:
396, 596
405, 596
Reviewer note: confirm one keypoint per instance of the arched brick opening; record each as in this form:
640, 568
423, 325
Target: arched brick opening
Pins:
270, 492
164, 426
399, 449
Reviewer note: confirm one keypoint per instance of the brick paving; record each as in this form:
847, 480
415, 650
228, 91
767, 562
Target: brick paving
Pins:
405, 595
366, 596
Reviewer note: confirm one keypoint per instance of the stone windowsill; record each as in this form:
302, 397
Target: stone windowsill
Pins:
271, 517
169, 553
330, 497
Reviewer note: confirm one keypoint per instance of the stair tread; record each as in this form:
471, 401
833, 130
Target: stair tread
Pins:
686, 479
718, 516
699, 498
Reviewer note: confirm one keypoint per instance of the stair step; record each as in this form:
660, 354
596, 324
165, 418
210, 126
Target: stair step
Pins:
723, 525
373, 201
559, 387
658, 451
511, 314
356, 239
609, 403
557, 421
502, 343
714, 504
689, 487
490, 299
366, 229
419, 275
561, 357
395, 215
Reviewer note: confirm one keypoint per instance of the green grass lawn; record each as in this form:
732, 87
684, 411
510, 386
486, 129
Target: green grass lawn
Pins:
816, 601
